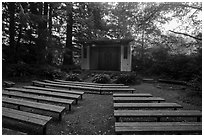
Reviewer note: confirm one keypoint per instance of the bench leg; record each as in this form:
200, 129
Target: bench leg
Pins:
158, 119
69, 107
60, 117
44, 130
76, 101
198, 119
117, 119
81, 96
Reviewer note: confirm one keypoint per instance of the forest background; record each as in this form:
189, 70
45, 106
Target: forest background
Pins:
41, 38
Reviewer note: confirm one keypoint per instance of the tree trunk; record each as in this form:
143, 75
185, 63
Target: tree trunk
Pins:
11, 8
50, 20
18, 42
68, 55
45, 14
41, 37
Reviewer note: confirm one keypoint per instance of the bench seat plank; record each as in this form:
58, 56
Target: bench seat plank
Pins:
136, 127
35, 105
146, 105
157, 113
37, 97
47, 93
42, 117
24, 118
132, 95
149, 127
137, 99
117, 89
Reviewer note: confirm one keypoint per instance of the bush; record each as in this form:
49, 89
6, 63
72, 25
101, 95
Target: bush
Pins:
126, 79
19, 69
50, 72
101, 78
69, 68
72, 77
196, 84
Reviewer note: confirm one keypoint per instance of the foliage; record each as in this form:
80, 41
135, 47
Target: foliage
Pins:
72, 77
18, 70
101, 78
196, 84
51, 32
127, 79
69, 68
50, 72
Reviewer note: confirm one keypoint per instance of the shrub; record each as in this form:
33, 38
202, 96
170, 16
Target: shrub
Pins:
126, 79
101, 78
72, 77
19, 69
196, 84
50, 72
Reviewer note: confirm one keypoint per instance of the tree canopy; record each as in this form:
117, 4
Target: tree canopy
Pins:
52, 32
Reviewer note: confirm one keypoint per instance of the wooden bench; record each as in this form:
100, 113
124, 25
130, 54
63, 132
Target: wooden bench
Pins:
46, 93
9, 83
55, 90
137, 99
70, 87
72, 84
117, 89
87, 83
132, 95
44, 84
157, 127
26, 117
35, 105
146, 105
39, 98
157, 113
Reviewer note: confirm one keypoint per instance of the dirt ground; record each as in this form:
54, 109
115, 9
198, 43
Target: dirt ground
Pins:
94, 113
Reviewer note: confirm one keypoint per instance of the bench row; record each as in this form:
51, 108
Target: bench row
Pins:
157, 127
85, 84
39, 94
158, 114
46, 93
124, 110
84, 88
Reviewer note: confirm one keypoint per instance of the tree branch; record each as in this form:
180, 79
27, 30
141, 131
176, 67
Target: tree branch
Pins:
186, 35
190, 6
